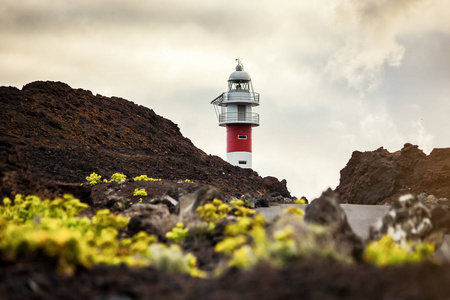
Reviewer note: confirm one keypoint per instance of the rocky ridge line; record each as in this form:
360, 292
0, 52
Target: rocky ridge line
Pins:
52, 135
380, 177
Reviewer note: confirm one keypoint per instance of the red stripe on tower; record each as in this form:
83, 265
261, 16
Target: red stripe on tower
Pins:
239, 137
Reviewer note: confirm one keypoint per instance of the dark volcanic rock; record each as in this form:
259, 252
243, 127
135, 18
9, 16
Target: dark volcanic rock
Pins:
190, 202
410, 220
153, 219
326, 210
368, 177
51, 132
314, 280
171, 204
273, 185
378, 177
260, 202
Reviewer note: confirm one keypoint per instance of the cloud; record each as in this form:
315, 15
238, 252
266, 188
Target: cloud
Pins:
379, 129
370, 28
421, 136
175, 57
240, 22
360, 63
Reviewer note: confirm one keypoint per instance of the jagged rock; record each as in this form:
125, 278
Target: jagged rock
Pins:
205, 194
172, 204
277, 198
148, 210
380, 177
272, 184
260, 202
116, 203
174, 192
409, 219
407, 159
153, 219
368, 177
326, 211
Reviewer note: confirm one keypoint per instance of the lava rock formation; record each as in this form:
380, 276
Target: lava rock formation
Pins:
52, 135
380, 177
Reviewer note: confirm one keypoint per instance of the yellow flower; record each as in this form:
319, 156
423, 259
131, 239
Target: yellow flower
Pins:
294, 211
229, 244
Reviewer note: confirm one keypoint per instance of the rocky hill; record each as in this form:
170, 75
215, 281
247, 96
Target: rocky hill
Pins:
378, 177
51, 135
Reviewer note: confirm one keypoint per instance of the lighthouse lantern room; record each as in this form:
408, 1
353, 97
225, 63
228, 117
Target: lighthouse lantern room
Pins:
234, 111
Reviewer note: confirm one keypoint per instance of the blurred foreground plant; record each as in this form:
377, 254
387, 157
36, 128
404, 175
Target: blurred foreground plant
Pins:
31, 228
178, 233
386, 252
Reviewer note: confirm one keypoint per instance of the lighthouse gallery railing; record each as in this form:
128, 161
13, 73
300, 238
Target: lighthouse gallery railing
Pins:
239, 117
236, 96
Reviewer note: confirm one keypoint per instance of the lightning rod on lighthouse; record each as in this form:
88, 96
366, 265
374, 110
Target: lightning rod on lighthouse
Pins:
234, 111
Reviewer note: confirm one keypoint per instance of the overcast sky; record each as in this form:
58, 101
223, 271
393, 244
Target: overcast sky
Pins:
334, 76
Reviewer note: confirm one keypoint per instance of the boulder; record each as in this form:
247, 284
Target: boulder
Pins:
171, 204
153, 219
326, 211
203, 195
260, 202
409, 219
272, 184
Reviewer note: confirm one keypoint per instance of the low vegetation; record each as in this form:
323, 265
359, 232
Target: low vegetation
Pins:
32, 228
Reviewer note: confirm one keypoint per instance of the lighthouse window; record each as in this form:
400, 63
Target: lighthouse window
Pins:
242, 162
242, 137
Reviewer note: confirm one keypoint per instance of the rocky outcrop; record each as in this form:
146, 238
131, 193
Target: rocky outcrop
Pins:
326, 211
379, 177
410, 220
51, 132
273, 185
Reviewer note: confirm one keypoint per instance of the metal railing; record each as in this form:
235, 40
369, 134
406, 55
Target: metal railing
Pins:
239, 117
237, 96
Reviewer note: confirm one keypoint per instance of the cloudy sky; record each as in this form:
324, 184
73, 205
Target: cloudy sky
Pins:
334, 75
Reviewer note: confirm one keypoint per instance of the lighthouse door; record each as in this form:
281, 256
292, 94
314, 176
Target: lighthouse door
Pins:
241, 112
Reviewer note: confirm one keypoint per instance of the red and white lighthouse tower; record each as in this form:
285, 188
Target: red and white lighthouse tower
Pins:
234, 111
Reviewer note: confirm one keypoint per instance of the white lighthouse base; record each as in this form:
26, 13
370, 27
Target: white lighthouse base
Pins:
240, 159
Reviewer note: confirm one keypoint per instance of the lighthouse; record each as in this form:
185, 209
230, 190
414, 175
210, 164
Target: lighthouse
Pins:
234, 111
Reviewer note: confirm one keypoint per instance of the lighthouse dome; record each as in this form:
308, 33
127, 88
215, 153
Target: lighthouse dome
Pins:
239, 74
